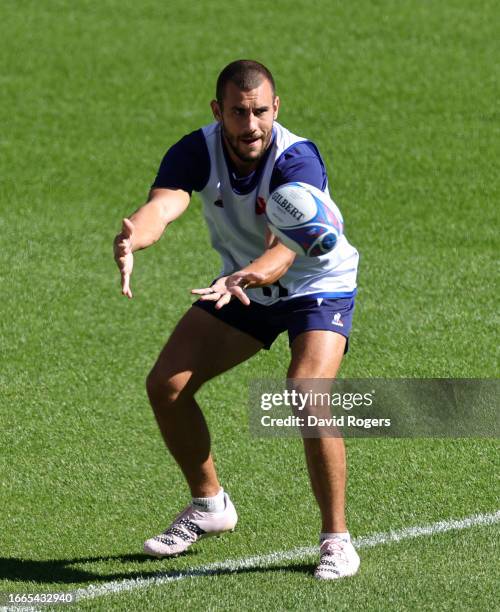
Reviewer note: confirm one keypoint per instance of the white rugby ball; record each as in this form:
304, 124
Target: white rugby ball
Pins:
304, 218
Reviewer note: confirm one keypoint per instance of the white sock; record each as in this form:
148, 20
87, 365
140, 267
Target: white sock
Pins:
330, 536
210, 504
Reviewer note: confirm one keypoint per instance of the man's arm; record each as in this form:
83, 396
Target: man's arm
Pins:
271, 265
150, 220
145, 227
265, 270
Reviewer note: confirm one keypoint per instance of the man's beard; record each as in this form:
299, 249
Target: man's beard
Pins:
247, 159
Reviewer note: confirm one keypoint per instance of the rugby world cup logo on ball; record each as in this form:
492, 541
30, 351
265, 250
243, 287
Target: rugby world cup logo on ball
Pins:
304, 218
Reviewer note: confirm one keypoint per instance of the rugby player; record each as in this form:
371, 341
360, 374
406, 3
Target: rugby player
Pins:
263, 289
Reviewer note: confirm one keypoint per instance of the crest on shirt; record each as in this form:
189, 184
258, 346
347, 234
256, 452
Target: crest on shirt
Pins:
260, 205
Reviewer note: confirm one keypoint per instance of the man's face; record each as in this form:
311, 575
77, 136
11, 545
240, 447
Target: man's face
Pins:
247, 122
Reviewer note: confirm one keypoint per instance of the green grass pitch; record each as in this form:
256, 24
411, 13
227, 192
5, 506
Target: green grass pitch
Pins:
402, 101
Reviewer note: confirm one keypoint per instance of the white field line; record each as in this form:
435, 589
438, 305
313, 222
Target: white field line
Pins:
235, 565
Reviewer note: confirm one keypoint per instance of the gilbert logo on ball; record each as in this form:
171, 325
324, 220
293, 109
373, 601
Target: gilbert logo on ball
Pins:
304, 218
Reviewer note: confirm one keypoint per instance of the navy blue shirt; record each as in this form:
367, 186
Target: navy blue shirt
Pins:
186, 166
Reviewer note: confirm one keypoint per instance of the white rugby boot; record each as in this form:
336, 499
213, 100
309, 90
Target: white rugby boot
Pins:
188, 527
338, 559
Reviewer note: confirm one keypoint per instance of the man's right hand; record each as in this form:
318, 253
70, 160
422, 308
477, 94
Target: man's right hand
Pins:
124, 256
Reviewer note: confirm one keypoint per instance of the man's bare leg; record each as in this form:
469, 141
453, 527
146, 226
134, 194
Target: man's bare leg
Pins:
318, 354
200, 348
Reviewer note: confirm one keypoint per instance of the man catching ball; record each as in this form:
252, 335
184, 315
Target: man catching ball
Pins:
262, 290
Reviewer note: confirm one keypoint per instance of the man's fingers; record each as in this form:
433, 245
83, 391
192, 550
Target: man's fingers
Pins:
225, 299
203, 291
208, 294
123, 255
241, 295
233, 285
122, 247
126, 284
211, 297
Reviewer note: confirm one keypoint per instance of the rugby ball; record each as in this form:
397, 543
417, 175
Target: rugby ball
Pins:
304, 218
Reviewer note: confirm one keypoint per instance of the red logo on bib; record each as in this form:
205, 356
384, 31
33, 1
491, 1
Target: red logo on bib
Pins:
260, 206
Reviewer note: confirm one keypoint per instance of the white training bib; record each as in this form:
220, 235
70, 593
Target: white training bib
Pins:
237, 229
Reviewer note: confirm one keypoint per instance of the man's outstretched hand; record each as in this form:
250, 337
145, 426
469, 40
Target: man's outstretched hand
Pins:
124, 256
225, 287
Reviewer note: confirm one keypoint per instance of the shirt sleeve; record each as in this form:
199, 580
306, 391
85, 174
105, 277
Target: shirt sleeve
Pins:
186, 165
301, 162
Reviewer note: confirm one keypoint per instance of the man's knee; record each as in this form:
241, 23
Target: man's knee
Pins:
166, 389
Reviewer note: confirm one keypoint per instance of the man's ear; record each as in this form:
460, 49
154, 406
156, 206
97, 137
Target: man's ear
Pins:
216, 110
276, 106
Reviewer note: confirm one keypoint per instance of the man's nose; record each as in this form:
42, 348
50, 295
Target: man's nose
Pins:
251, 122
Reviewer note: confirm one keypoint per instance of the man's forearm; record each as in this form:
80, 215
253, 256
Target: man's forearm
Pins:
150, 221
149, 225
272, 264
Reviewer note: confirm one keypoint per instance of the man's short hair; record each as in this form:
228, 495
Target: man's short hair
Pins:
245, 74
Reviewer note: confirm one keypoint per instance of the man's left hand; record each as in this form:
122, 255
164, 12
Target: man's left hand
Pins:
226, 287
